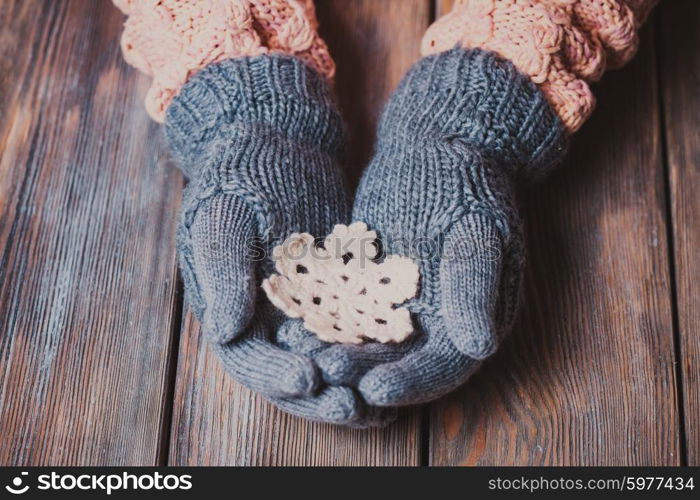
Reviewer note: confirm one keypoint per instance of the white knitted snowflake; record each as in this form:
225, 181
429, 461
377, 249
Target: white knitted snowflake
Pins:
340, 291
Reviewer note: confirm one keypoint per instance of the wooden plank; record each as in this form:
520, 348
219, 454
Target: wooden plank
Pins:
443, 7
373, 44
680, 73
87, 218
215, 420
587, 376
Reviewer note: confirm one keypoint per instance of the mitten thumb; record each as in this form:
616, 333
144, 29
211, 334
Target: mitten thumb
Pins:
470, 273
216, 247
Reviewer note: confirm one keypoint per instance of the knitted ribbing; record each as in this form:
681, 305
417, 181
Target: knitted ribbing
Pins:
460, 129
472, 98
560, 44
275, 93
171, 40
260, 139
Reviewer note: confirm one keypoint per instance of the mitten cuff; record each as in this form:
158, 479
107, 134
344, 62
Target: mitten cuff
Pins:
276, 92
474, 96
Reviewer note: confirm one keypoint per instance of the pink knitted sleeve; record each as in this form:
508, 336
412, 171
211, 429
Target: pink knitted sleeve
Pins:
562, 45
171, 40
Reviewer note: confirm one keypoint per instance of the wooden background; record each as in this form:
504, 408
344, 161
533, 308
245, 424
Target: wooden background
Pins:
101, 363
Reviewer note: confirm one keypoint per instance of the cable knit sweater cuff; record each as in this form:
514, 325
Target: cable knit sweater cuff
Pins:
562, 45
477, 97
275, 92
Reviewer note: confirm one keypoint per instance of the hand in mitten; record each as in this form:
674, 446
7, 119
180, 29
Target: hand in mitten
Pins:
260, 139
460, 130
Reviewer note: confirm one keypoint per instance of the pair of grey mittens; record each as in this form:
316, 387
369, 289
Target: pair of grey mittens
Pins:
261, 141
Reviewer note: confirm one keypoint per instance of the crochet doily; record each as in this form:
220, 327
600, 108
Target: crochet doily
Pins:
339, 288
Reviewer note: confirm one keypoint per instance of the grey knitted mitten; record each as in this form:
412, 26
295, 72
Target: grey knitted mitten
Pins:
260, 140
462, 128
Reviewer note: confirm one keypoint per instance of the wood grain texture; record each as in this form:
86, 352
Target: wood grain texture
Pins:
680, 74
373, 43
443, 7
215, 420
89, 302
87, 217
587, 376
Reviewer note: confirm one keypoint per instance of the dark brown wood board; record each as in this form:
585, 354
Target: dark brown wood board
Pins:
679, 71
587, 376
94, 354
215, 420
373, 44
87, 261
